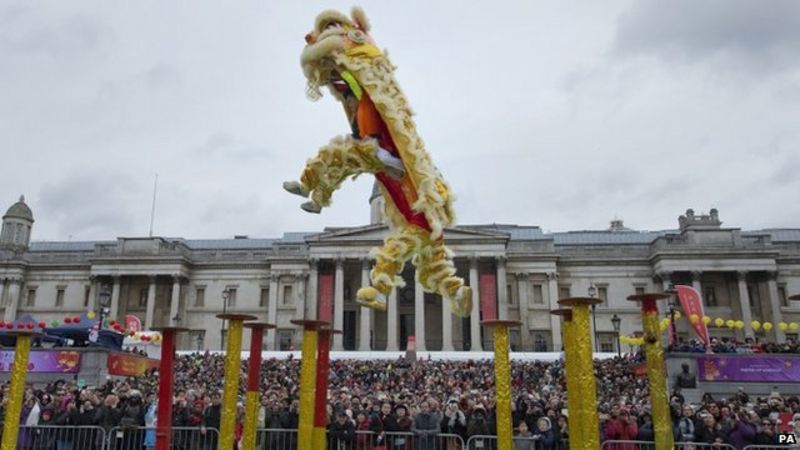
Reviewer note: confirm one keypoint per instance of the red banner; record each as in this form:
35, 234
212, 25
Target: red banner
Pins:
488, 282
133, 323
326, 298
692, 304
127, 365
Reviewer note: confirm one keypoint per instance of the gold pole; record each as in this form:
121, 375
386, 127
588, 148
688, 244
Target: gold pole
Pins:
308, 378
574, 394
233, 362
656, 370
584, 365
14, 407
502, 375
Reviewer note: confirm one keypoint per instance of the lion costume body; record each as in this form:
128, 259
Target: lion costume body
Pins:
342, 55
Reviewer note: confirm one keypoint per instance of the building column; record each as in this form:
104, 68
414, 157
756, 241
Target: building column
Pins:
555, 322
114, 309
502, 288
666, 280
775, 305
311, 310
696, 282
338, 306
175, 300
92, 306
300, 295
12, 304
391, 326
151, 302
365, 318
272, 309
744, 303
419, 315
3, 286
475, 317
523, 288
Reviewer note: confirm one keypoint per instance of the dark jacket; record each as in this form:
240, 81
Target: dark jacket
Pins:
340, 436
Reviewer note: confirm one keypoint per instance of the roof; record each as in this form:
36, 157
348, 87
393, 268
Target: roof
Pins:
780, 234
606, 237
226, 244
20, 210
66, 246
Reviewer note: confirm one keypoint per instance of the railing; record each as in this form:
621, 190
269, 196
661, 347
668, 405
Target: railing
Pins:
486, 442
183, 438
47, 437
771, 447
276, 439
649, 445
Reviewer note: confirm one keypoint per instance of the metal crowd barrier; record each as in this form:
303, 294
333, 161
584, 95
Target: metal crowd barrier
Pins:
55, 437
481, 442
702, 446
771, 447
183, 438
276, 439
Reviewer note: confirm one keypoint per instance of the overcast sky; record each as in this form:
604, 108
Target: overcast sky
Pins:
558, 114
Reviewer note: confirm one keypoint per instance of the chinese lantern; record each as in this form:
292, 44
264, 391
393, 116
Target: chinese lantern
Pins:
694, 318
767, 326
706, 320
755, 325
719, 322
783, 326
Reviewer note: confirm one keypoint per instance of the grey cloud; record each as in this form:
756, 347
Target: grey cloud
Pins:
762, 35
63, 40
224, 145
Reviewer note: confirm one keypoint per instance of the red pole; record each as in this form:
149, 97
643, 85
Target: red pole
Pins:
165, 372
323, 366
254, 366
253, 374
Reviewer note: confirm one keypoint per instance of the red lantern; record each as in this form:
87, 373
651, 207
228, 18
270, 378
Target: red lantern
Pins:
2, 324
42, 325
76, 319
30, 325
131, 333
67, 319
112, 322
21, 326
10, 326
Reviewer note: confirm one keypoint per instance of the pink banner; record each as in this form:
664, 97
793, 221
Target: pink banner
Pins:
488, 283
326, 298
745, 368
50, 361
692, 304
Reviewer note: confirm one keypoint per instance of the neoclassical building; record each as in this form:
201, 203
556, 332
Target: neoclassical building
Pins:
165, 281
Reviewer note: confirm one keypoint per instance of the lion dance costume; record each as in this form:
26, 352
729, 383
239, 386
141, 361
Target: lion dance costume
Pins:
341, 54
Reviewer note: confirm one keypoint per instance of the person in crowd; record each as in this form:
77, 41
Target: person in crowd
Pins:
425, 426
341, 432
523, 439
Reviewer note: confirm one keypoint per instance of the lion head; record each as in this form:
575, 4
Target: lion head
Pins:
335, 39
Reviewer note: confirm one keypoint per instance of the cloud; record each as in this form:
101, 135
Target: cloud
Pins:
223, 145
757, 36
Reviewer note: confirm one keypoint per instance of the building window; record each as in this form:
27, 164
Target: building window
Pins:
200, 296
513, 340
607, 342
231, 297
602, 294
512, 301
710, 296
782, 297
87, 293
639, 290
287, 294
60, 296
264, 299
285, 340
198, 338
30, 299
538, 294
563, 292
541, 340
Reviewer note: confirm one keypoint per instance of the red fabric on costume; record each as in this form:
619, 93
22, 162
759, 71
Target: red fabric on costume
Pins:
402, 191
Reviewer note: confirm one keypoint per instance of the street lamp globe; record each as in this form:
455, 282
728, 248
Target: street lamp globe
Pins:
615, 322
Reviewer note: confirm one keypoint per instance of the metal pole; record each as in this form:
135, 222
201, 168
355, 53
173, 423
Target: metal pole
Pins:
594, 331
165, 389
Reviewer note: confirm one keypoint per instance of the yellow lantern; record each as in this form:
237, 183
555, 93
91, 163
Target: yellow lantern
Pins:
719, 322
755, 325
90, 315
783, 326
677, 315
706, 320
730, 323
767, 326
694, 318
794, 326
739, 324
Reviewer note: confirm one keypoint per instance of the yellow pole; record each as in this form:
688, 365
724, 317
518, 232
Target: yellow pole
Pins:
502, 373
584, 366
657, 377
14, 407
233, 362
574, 394
308, 369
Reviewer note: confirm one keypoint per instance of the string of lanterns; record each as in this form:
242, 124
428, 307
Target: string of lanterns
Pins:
113, 325
719, 322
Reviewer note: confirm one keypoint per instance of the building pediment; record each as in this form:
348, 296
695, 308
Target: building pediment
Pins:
376, 233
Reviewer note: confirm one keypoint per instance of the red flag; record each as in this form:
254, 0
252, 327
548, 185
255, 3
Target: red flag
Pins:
692, 304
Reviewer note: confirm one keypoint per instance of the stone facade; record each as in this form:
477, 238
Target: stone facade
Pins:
167, 281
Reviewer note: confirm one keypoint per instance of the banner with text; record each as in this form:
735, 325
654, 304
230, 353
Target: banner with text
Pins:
762, 369
692, 304
50, 361
128, 365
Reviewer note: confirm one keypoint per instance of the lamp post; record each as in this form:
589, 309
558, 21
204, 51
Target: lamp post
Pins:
225, 295
592, 291
616, 322
105, 302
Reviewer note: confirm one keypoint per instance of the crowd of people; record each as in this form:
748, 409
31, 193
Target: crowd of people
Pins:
373, 403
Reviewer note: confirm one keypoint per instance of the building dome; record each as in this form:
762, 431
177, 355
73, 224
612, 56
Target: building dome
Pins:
19, 210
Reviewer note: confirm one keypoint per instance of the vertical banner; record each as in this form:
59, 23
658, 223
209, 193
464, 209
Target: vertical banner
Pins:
488, 285
325, 313
692, 304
